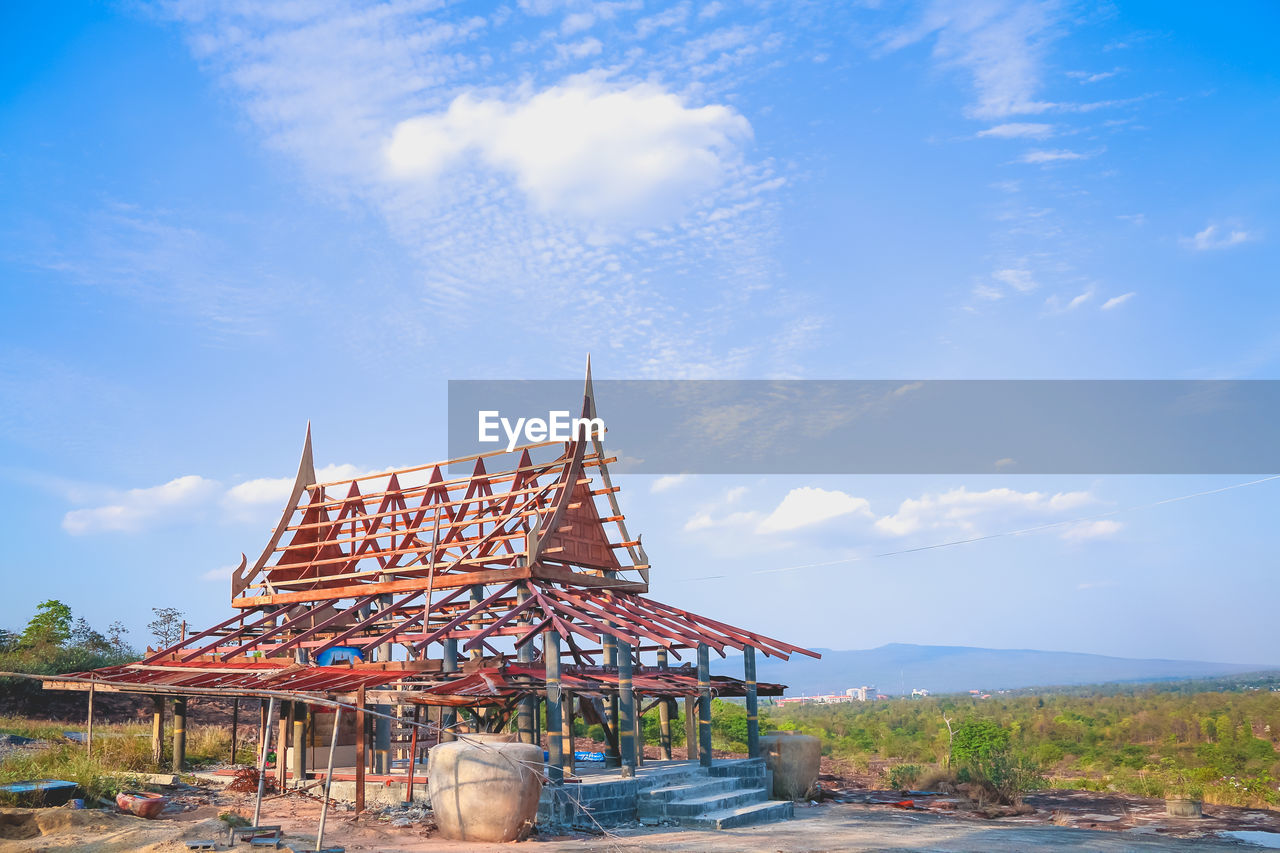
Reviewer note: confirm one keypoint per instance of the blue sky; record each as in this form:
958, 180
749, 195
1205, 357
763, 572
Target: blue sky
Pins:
220, 220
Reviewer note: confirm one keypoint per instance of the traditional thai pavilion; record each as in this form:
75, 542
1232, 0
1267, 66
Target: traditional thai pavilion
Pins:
478, 596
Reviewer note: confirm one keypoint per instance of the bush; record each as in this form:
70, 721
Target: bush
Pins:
902, 776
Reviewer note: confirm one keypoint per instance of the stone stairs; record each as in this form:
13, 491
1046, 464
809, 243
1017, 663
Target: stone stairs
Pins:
726, 796
729, 794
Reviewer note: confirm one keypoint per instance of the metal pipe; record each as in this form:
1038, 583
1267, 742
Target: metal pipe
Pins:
235, 725
613, 754
88, 736
413, 755
328, 777
448, 663
262, 761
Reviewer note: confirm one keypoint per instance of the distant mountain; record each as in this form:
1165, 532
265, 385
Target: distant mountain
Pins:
900, 667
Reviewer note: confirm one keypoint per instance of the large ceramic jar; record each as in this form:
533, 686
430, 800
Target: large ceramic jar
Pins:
484, 789
793, 758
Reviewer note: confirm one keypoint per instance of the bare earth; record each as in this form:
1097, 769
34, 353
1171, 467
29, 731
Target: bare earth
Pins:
851, 827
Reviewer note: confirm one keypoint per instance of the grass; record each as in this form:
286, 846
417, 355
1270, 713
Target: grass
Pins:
121, 754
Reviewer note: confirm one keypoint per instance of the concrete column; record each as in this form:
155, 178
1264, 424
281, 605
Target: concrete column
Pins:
555, 745
753, 715
704, 705
691, 727
382, 741
664, 715
612, 756
477, 596
299, 718
528, 705
282, 744
626, 712
360, 750
566, 731
179, 733
449, 663
157, 730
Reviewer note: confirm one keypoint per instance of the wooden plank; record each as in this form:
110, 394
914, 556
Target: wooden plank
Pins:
358, 590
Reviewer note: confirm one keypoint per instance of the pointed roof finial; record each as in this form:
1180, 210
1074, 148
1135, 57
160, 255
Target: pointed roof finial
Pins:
588, 393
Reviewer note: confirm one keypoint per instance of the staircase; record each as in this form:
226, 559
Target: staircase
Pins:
725, 796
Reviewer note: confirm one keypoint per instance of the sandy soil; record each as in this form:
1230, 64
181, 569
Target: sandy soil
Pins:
823, 827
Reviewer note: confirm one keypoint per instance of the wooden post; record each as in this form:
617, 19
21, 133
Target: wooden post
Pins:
612, 755
690, 728
359, 750
704, 705
179, 733
555, 733
299, 718
235, 725
626, 712
157, 730
328, 776
753, 710
529, 704
664, 714
413, 755
282, 744
88, 735
448, 663
477, 596
566, 732
262, 758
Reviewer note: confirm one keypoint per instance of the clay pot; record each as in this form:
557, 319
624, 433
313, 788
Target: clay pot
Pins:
486, 790
793, 758
141, 803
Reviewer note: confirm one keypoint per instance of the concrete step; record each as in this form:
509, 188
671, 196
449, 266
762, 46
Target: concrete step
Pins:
747, 767
687, 790
716, 802
749, 815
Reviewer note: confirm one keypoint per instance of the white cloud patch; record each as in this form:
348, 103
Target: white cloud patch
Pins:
999, 43
1217, 237
667, 482
1117, 301
222, 573
1042, 157
1098, 529
807, 506
131, 510
635, 154
1018, 130
1056, 305
1019, 279
968, 512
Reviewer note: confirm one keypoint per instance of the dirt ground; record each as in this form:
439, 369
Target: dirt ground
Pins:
821, 827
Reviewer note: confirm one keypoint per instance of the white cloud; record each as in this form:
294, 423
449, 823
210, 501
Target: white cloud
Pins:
1060, 155
807, 506
967, 511
999, 43
131, 510
580, 49
1018, 279
635, 154
1092, 77
1216, 237
1018, 130
1055, 305
221, 573
667, 482
1117, 301
1100, 529
735, 494
703, 520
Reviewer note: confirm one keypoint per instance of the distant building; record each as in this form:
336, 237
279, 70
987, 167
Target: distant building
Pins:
920, 692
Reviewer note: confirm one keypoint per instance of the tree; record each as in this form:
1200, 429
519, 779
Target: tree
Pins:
115, 636
167, 626
50, 627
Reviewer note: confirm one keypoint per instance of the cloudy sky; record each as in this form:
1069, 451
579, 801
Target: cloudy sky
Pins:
222, 220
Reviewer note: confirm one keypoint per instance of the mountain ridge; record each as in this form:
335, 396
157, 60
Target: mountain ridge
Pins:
897, 668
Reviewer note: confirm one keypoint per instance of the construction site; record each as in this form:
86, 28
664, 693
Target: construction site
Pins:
412, 637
